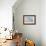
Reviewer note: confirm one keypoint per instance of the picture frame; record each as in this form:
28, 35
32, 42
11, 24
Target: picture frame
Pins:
29, 19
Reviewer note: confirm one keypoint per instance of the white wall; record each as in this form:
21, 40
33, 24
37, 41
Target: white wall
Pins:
43, 22
36, 32
28, 7
6, 13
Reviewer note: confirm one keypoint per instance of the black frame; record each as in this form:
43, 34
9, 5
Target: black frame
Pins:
29, 23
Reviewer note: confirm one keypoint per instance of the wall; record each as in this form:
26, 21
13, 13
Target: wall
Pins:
43, 22
6, 13
28, 7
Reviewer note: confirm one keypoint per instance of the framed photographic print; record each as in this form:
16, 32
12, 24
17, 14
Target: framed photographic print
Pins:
29, 19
